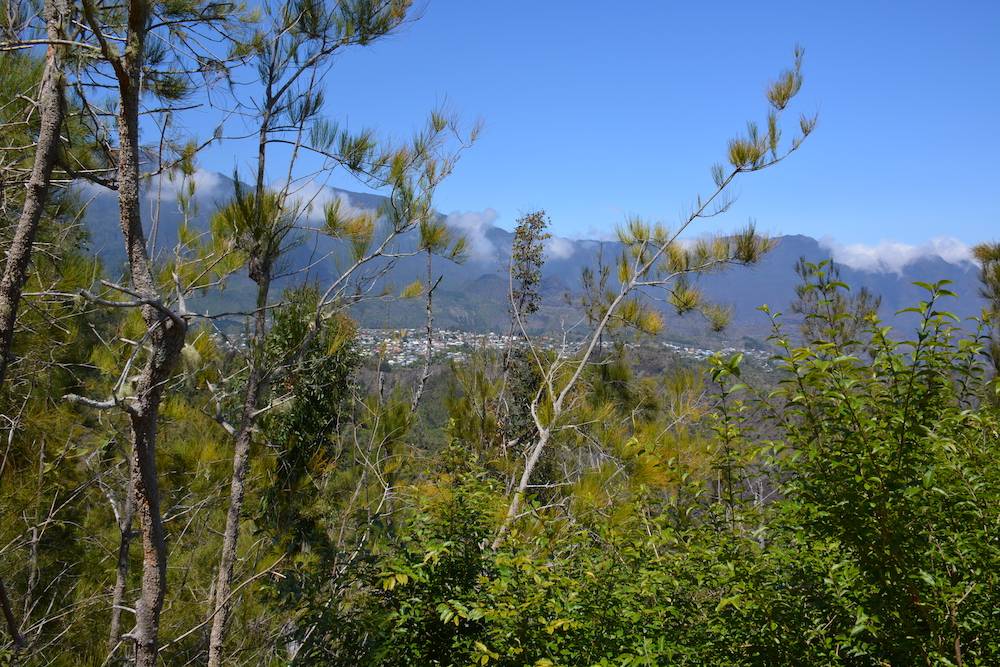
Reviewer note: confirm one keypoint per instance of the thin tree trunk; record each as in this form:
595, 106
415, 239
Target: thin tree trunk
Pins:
52, 108
241, 458
166, 339
8, 613
260, 272
29, 590
503, 408
121, 570
522, 487
429, 350
154, 552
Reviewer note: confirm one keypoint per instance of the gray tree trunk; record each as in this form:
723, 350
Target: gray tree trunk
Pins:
52, 109
222, 604
260, 272
429, 331
522, 486
166, 339
121, 569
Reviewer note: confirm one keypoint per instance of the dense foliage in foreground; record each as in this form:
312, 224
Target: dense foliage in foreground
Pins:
839, 508
850, 517
845, 511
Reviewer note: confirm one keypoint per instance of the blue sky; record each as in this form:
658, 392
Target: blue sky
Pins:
595, 111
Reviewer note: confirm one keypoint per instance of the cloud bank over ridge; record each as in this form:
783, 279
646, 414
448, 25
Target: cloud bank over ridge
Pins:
892, 256
475, 226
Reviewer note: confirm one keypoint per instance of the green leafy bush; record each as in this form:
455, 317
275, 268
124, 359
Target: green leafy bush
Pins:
851, 518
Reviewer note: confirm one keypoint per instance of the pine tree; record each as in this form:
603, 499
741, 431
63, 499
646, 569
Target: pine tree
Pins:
292, 57
652, 259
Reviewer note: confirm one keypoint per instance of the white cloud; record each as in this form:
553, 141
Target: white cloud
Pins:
557, 247
474, 225
893, 256
168, 185
315, 197
311, 195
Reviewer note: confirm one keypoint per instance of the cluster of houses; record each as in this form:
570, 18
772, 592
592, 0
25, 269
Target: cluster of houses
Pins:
408, 347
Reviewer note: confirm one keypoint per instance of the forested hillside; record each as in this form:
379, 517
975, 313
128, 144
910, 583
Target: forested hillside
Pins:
202, 463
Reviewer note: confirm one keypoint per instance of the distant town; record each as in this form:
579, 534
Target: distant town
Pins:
407, 347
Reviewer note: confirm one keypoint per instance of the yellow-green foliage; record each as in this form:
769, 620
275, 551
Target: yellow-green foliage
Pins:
414, 289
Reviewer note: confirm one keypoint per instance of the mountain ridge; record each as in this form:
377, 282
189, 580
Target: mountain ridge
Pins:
473, 295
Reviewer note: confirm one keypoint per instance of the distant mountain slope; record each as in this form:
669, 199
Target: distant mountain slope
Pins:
473, 295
